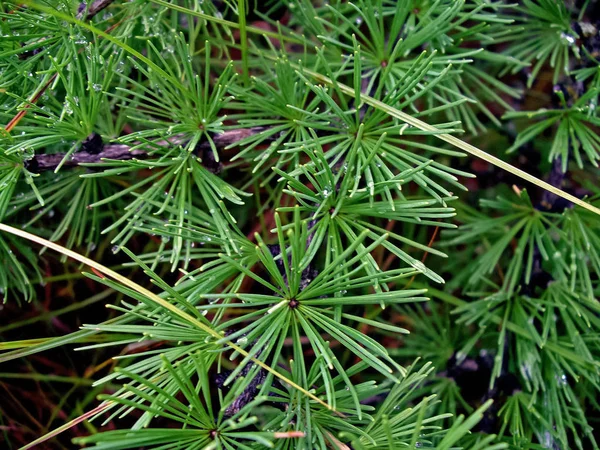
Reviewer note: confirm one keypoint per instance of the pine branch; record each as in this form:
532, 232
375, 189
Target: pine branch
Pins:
93, 9
96, 153
287, 258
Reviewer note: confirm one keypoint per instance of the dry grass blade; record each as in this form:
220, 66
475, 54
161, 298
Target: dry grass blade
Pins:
155, 298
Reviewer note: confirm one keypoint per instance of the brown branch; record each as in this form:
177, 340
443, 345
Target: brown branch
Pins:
41, 163
94, 9
288, 434
430, 244
15, 120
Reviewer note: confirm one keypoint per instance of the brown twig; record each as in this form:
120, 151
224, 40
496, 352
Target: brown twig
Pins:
41, 163
15, 120
288, 434
94, 9
430, 244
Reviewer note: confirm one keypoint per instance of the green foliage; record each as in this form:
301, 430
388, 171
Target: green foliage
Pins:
545, 35
575, 129
276, 188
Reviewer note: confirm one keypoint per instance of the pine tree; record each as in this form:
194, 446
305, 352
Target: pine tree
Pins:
351, 225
